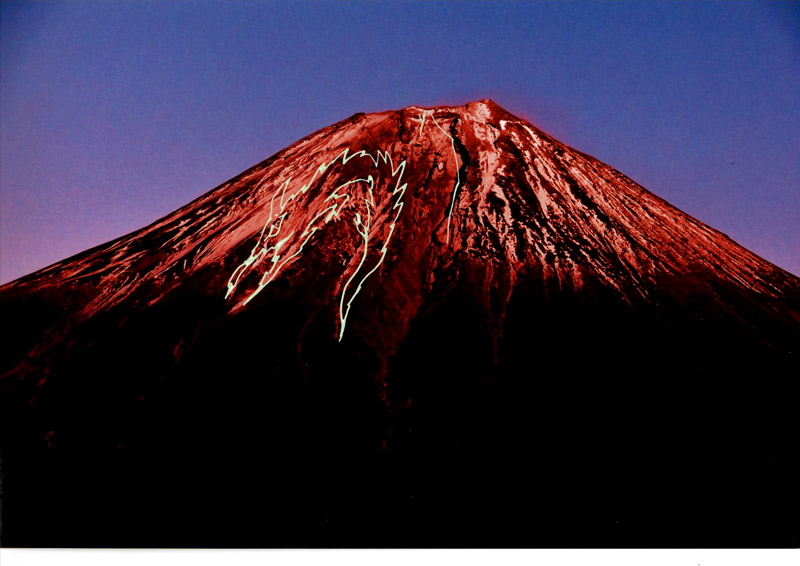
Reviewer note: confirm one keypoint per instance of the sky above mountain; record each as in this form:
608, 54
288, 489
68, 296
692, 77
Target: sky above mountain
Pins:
114, 114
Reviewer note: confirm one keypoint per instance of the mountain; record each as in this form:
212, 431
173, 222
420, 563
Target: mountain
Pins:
425, 327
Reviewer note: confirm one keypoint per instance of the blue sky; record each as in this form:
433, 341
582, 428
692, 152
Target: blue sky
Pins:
113, 114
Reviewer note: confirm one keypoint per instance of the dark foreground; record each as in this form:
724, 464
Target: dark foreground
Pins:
588, 429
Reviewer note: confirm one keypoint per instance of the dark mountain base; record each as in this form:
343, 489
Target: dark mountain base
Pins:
583, 426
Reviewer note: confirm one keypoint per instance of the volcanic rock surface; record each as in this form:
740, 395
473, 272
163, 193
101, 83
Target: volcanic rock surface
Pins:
425, 327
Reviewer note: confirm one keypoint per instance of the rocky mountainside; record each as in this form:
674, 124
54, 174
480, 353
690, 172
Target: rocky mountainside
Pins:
419, 327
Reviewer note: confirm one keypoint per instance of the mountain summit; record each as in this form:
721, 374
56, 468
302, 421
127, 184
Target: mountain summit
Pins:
432, 326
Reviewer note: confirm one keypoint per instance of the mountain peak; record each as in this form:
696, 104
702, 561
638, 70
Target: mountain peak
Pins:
485, 109
489, 104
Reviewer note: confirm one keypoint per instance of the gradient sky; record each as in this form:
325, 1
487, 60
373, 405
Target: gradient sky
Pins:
114, 114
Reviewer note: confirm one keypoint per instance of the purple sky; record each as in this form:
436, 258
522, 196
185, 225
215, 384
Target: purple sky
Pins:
114, 114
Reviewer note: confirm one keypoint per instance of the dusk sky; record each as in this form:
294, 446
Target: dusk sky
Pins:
113, 114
